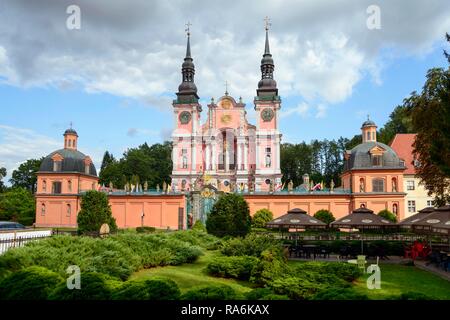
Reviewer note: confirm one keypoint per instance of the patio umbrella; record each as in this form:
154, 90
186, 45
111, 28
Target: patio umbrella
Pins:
408, 222
363, 219
296, 219
437, 222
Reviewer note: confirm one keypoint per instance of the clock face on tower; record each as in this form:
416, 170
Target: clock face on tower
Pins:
185, 117
267, 114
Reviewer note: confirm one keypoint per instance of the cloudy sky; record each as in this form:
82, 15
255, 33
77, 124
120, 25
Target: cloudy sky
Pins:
115, 77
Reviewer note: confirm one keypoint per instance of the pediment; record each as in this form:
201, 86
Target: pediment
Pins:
377, 150
57, 157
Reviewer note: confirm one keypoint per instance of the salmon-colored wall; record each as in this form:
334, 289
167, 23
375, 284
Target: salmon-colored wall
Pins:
79, 182
160, 211
338, 204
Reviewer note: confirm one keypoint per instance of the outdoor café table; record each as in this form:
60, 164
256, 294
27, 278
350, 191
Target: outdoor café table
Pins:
310, 248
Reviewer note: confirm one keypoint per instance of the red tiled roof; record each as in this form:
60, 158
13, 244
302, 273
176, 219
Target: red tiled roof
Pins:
402, 145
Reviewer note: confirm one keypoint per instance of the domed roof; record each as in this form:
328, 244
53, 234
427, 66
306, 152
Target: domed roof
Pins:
360, 157
368, 123
70, 131
73, 161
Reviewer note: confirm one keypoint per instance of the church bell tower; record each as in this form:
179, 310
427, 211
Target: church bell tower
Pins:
268, 138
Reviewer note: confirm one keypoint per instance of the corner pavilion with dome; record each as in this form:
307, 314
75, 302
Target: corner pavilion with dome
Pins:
226, 154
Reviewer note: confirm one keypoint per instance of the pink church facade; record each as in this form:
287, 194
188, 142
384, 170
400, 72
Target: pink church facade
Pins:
232, 153
224, 154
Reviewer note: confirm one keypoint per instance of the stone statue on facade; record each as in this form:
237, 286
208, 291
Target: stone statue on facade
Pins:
332, 185
394, 186
145, 186
157, 188
361, 186
164, 187
271, 187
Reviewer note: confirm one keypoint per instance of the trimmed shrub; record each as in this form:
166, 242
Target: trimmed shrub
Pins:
325, 216
230, 215
411, 295
148, 289
199, 226
32, 283
251, 245
264, 294
95, 211
296, 288
232, 267
211, 292
328, 272
145, 229
339, 294
271, 265
118, 255
94, 286
261, 217
388, 215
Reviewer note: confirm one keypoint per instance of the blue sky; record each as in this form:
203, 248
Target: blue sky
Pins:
119, 98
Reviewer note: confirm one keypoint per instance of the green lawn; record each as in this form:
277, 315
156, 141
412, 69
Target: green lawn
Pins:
397, 279
191, 275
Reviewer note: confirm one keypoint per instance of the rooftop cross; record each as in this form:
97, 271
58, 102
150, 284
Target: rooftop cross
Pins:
188, 32
71, 124
267, 23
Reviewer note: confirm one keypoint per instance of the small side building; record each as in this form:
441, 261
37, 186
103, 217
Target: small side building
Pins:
417, 196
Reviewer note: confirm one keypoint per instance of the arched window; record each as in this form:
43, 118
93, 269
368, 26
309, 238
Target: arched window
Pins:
185, 162
44, 185
43, 209
70, 143
378, 185
69, 210
69, 185
368, 135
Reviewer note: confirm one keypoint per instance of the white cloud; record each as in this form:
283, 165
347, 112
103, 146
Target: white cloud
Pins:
321, 111
134, 49
18, 145
301, 110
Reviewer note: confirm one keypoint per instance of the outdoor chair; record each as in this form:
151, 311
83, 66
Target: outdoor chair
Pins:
323, 252
300, 251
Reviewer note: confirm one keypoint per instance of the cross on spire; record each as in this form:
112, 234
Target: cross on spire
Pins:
267, 23
71, 124
188, 25
226, 87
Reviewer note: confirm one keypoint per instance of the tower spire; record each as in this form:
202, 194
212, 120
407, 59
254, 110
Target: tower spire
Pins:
187, 90
267, 25
267, 86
